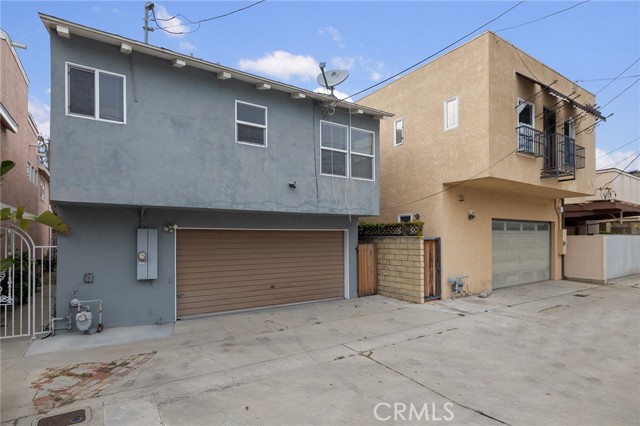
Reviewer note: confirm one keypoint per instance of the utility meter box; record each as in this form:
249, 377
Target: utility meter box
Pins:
147, 254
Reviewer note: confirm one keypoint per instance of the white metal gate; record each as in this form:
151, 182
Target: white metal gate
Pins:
27, 288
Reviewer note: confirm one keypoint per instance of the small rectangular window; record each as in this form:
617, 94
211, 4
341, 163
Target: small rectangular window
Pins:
251, 124
497, 225
543, 227
525, 113
451, 113
95, 94
362, 154
333, 147
42, 189
407, 217
398, 132
526, 226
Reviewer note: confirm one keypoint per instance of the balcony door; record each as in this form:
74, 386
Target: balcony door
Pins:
550, 144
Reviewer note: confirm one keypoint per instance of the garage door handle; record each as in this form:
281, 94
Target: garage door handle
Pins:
179, 295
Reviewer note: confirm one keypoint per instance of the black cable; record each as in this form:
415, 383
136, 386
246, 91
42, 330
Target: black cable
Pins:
199, 21
606, 79
620, 172
621, 146
543, 17
434, 54
621, 161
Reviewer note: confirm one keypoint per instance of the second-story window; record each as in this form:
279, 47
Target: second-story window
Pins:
251, 124
451, 113
398, 132
333, 142
43, 190
362, 154
97, 94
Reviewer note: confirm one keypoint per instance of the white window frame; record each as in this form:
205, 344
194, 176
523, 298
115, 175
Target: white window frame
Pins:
395, 141
96, 88
346, 152
446, 123
533, 113
405, 214
372, 156
247, 123
42, 189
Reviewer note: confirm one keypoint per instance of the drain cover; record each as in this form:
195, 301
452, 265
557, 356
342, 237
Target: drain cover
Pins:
64, 419
581, 295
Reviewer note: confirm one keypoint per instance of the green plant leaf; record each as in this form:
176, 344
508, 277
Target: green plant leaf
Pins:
5, 214
6, 166
51, 220
6, 264
19, 213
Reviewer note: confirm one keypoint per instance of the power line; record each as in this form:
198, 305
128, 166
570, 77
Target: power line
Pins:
619, 75
620, 147
164, 28
451, 187
621, 171
434, 54
606, 79
621, 161
619, 94
543, 17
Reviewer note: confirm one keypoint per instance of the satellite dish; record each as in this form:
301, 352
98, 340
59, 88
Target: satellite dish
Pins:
331, 79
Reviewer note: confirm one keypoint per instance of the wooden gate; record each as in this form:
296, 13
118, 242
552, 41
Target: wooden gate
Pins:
367, 270
432, 269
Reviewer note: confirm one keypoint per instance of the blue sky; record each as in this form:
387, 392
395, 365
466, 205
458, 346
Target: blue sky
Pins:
285, 40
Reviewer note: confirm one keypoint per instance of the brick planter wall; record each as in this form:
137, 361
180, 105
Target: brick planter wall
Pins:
400, 267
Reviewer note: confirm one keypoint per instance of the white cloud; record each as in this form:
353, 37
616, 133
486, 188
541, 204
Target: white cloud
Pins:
48, 91
96, 9
115, 10
173, 25
187, 47
333, 33
375, 76
41, 113
619, 160
337, 93
343, 63
283, 65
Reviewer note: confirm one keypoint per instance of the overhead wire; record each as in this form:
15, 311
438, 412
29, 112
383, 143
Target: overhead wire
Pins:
620, 147
434, 54
543, 17
621, 171
198, 22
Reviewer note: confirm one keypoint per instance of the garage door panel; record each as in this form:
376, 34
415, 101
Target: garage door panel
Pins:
226, 270
521, 252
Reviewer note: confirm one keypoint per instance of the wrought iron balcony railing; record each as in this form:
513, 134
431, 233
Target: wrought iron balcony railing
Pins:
561, 155
530, 141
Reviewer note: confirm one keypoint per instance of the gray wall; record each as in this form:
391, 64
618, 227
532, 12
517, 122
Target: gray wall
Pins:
103, 242
623, 255
177, 148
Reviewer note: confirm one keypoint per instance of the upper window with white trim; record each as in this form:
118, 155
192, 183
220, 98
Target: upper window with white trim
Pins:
398, 132
362, 154
451, 113
333, 149
96, 94
251, 124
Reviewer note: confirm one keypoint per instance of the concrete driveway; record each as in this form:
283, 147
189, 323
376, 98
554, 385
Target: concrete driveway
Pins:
550, 353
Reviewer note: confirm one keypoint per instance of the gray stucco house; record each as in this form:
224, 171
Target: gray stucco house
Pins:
192, 188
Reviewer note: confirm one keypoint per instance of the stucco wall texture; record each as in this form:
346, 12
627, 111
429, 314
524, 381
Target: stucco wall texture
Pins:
442, 174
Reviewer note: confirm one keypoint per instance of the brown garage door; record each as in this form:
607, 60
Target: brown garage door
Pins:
226, 270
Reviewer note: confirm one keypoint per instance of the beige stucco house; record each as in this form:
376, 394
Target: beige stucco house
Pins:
485, 143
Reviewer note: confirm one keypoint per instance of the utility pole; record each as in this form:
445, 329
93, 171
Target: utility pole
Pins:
147, 8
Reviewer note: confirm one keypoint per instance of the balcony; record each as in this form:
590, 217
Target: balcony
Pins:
561, 155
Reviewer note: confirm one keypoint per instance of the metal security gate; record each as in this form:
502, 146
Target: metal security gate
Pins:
27, 288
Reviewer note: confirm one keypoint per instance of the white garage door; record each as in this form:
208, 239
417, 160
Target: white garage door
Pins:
521, 252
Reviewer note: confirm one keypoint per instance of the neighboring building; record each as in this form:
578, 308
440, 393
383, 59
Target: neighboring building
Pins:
193, 188
485, 143
614, 209
19, 143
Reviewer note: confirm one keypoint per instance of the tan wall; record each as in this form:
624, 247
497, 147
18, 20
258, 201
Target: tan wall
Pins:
585, 259
400, 267
482, 73
16, 189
